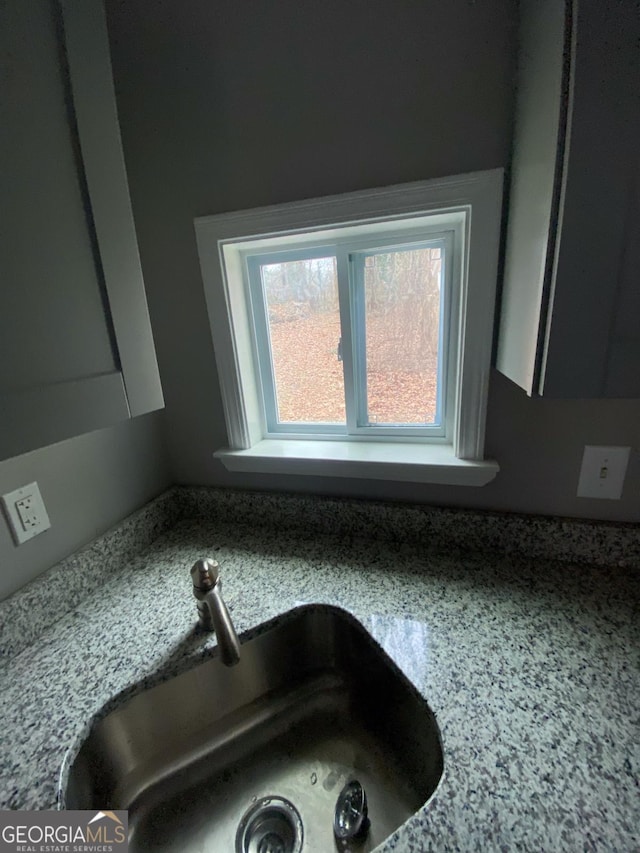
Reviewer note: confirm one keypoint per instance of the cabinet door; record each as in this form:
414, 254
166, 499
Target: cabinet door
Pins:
570, 284
77, 350
534, 192
593, 283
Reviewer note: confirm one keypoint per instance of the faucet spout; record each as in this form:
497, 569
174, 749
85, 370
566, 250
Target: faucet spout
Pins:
212, 610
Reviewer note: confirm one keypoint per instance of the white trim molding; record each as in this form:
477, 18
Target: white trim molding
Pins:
472, 201
379, 460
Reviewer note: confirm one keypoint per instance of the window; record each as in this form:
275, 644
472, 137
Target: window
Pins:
353, 333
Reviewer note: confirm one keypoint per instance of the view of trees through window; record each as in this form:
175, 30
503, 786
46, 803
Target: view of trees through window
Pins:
304, 327
401, 308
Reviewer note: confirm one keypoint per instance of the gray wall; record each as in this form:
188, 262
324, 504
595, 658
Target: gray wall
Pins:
235, 104
87, 484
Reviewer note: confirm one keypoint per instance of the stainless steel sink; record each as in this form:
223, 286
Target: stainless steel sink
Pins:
253, 758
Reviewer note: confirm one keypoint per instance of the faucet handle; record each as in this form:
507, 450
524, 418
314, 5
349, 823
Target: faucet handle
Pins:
205, 574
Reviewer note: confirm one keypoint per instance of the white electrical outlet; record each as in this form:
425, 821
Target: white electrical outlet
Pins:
603, 471
26, 513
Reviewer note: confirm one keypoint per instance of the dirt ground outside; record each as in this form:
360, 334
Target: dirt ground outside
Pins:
309, 377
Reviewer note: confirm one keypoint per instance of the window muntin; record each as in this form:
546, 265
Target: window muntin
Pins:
367, 319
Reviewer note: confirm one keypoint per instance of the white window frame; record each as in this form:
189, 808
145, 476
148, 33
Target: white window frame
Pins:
345, 249
472, 204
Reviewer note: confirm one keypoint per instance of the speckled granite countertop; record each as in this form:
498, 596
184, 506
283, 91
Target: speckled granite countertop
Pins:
531, 667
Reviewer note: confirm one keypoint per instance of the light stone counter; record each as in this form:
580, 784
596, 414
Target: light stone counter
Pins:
531, 667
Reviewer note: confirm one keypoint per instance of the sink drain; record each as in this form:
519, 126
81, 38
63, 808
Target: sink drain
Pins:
272, 825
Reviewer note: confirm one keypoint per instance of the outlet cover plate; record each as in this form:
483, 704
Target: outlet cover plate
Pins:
603, 472
26, 513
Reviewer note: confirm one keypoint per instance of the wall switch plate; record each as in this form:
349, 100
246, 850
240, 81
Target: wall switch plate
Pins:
26, 513
603, 471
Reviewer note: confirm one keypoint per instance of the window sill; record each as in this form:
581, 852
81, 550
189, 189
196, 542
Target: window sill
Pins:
412, 463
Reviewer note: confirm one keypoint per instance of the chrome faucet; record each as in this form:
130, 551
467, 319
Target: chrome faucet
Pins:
213, 614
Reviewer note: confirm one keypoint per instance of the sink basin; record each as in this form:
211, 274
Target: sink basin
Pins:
253, 758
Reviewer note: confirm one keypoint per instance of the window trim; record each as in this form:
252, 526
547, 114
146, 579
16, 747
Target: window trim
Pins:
221, 239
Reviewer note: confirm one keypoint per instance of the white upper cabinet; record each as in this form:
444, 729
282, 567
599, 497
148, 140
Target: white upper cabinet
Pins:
75, 336
570, 314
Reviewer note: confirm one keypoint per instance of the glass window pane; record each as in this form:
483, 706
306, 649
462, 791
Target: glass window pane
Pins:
304, 330
402, 299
